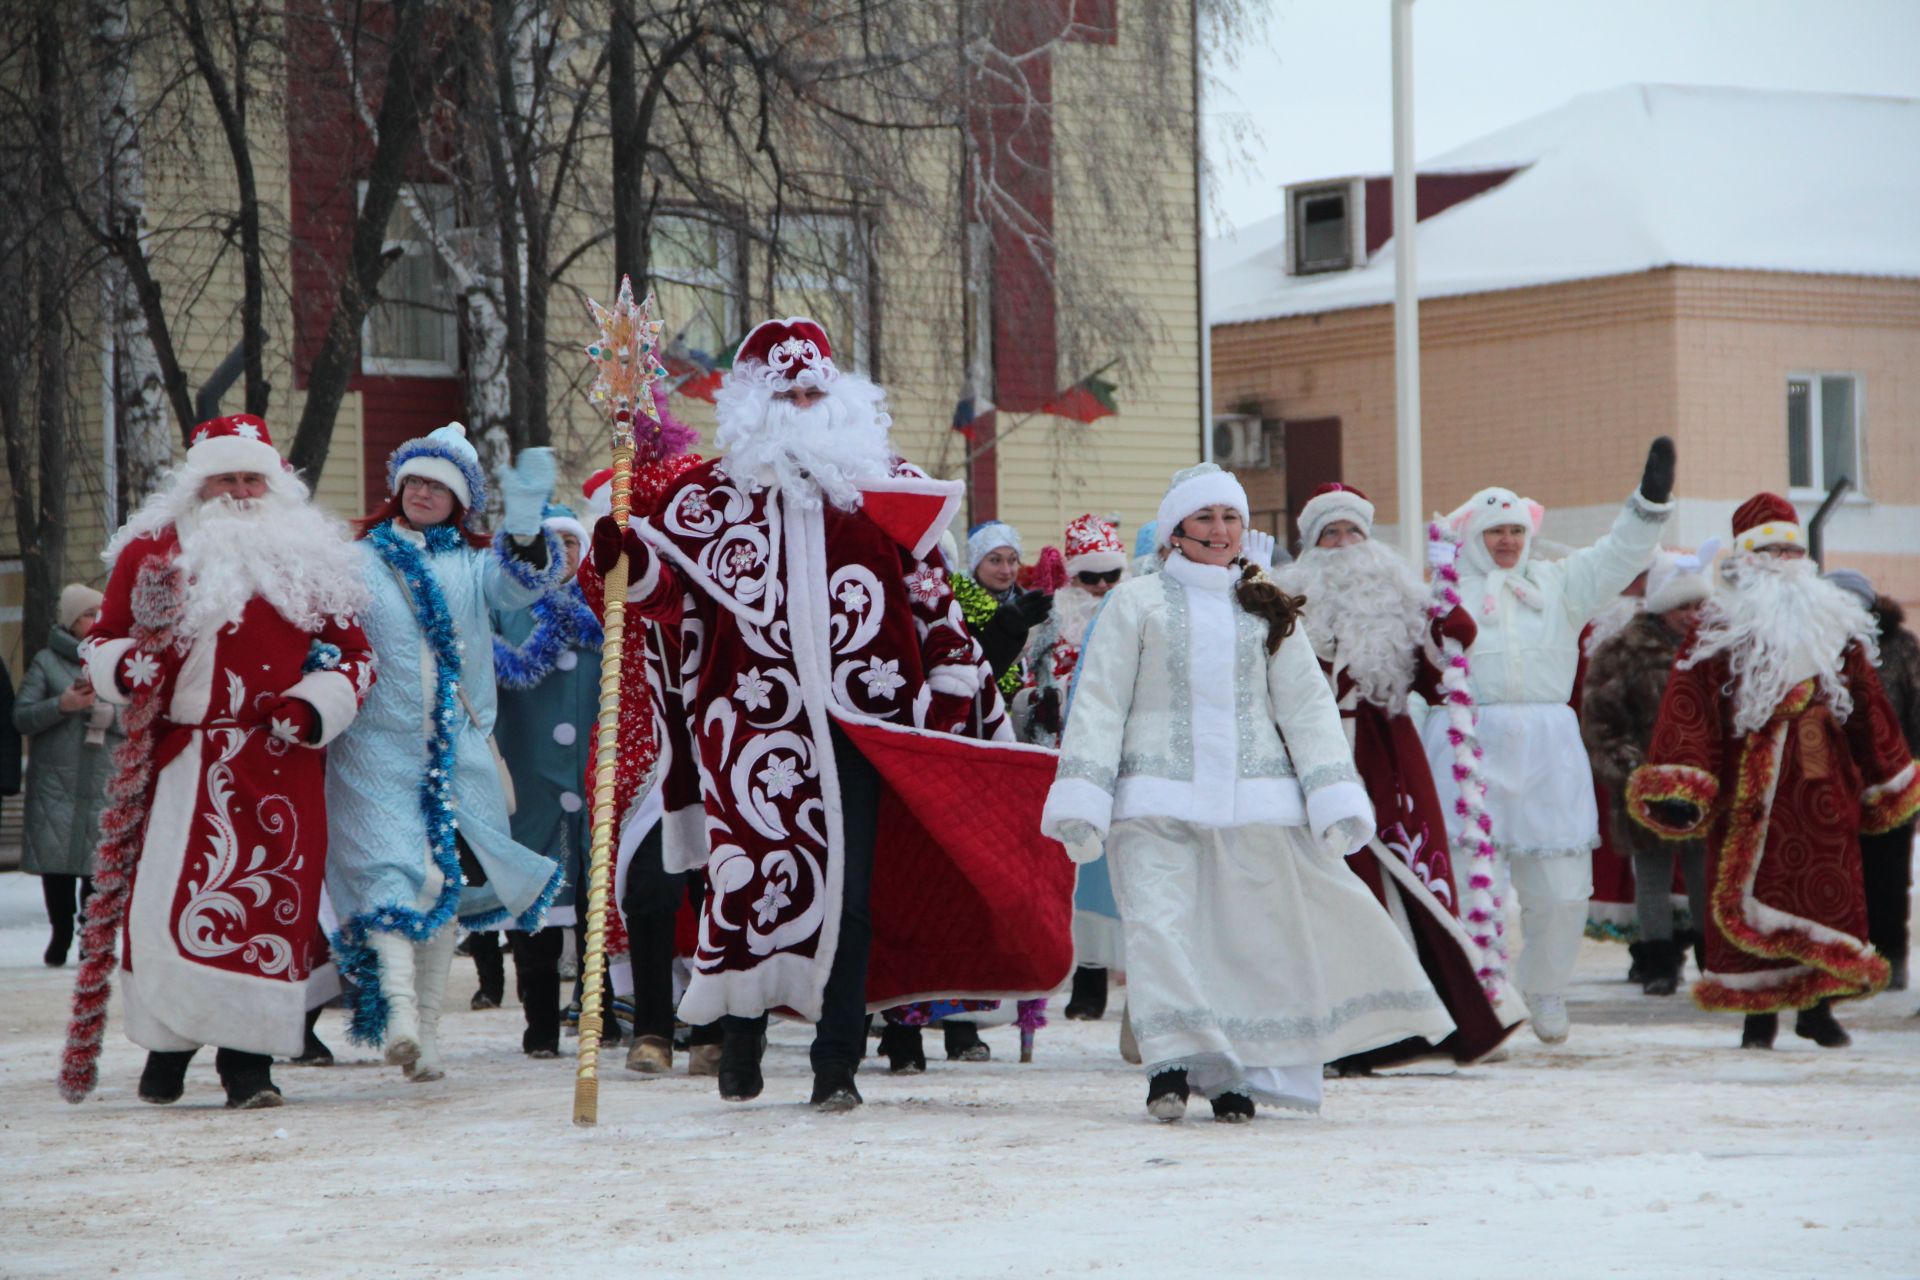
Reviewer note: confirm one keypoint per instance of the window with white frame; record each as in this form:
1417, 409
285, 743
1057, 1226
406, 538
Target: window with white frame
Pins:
413, 330
821, 271
1823, 430
696, 282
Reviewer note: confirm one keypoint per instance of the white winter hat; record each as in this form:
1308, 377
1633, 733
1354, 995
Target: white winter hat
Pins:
1203, 486
75, 599
1678, 578
1331, 502
444, 455
988, 537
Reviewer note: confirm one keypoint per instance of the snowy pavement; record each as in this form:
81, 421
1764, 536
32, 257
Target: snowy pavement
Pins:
1647, 1146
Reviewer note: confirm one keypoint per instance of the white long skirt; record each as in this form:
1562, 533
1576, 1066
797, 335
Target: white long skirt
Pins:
1254, 956
1539, 781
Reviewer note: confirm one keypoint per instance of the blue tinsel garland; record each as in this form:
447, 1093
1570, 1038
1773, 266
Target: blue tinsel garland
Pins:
357, 961
561, 620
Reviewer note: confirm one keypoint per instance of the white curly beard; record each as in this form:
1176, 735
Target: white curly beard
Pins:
1073, 610
1366, 610
1778, 623
286, 550
823, 453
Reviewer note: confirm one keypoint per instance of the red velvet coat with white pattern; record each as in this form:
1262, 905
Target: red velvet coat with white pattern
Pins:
782, 621
223, 928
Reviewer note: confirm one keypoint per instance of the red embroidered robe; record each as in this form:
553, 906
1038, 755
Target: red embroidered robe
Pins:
1412, 829
1782, 810
222, 930
782, 622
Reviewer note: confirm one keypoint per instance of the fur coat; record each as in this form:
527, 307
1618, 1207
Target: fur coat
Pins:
1626, 677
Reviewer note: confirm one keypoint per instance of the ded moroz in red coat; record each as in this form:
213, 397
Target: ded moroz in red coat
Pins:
222, 930
784, 622
1782, 809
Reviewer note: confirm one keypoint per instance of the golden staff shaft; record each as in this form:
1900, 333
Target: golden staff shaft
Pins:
593, 965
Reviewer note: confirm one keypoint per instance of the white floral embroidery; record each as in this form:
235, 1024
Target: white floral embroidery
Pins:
752, 689
882, 678
854, 597
770, 903
780, 777
927, 584
142, 670
694, 506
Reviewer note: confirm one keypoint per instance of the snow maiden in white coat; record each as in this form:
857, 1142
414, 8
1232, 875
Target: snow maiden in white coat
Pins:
417, 812
1206, 749
1539, 785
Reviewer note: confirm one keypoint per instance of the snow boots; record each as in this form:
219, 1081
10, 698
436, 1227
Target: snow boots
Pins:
740, 1050
1088, 1002
394, 952
834, 1091
248, 1078
1233, 1108
963, 1042
651, 1056
164, 1078
1758, 1031
904, 1048
1167, 1095
432, 960
1658, 962
1817, 1024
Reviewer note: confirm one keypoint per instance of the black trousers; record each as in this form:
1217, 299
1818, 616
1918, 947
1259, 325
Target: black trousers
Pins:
488, 964
1887, 863
840, 1037
536, 966
63, 905
650, 906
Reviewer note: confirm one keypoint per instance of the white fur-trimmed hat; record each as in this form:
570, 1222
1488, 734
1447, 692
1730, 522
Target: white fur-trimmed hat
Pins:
560, 518
1093, 546
1193, 488
238, 442
987, 537
443, 454
1679, 578
1331, 502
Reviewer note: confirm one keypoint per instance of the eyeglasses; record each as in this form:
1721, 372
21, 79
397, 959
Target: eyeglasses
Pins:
1090, 579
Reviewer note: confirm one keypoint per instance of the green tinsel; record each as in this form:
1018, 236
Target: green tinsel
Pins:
977, 607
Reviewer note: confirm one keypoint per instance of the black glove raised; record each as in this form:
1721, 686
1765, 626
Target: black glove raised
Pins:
1033, 607
1656, 482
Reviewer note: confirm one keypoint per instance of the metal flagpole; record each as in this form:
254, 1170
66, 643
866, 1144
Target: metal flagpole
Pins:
1406, 298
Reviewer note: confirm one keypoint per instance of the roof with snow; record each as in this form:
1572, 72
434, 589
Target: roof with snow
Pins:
1630, 180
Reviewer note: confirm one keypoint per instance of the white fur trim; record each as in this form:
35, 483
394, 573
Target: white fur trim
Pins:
103, 668
1332, 804
333, 697
1322, 511
1774, 533
988, 538
221, 454
566, 524
1216, 488
955, 680
950, 493
1098, 562
1075, 799
434, 468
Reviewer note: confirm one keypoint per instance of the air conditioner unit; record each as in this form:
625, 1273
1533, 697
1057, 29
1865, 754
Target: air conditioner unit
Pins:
1240, 442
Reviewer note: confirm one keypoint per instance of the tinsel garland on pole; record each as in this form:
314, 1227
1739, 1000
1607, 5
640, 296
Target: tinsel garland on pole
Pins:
158, 601
1484, 909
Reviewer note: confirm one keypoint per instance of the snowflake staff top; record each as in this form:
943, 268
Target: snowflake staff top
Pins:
626, 363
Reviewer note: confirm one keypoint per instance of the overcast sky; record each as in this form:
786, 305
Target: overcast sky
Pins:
1316, 88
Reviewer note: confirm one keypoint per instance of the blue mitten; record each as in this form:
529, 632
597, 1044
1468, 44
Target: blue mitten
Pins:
525, 488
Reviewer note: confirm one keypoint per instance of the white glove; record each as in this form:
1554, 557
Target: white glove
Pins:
954, 680
1081, 840
1441, 552
1257, 546
524, 490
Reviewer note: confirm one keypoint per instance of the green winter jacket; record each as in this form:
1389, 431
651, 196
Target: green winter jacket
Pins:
66, 775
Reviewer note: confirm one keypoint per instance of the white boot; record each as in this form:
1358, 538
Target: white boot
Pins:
1550, 1021
395, 954
432, 961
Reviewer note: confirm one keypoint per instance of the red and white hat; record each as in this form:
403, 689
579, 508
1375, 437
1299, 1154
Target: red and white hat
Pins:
1767, 520
598, 491
795, 350
1330, 502
238, 442
1093, 546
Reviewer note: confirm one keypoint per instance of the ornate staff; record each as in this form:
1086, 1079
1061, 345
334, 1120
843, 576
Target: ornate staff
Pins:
624, 357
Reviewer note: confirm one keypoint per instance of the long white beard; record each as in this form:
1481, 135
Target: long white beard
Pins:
1778, 623
824, 453
1073, 610
1367, 611
293, 554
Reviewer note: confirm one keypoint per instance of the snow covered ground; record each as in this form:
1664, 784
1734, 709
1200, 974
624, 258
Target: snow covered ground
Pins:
1647, 1146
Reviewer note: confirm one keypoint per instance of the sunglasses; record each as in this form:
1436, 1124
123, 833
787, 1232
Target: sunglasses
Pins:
1090, 579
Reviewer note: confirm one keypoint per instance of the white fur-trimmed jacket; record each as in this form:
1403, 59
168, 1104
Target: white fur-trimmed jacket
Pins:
1179, 712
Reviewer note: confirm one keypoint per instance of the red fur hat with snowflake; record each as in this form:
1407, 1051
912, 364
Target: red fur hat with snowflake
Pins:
1093, 546
238, 442
793, 350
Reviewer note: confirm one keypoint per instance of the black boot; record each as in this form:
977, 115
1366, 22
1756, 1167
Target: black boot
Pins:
490, 967
62, 941
1759, 1030
904, 1050
1640, 961
315, 1052
1088, 1003
164, 1078
1664, 960
1817, 1024
1233, 1108
1692, 940
963, 1042
1167, 1095
1898, 980
740, 1050
834, 1090
248, 1078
